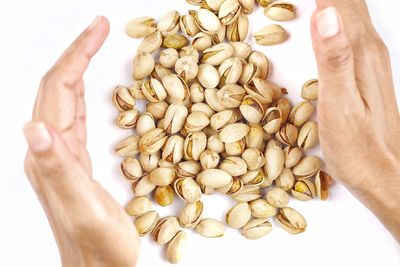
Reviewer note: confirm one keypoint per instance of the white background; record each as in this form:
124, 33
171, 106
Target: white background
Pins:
33, 34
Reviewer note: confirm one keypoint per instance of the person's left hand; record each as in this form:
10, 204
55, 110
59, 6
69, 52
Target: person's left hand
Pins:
90, 227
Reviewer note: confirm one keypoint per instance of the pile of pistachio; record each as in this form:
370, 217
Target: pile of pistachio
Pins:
214, 123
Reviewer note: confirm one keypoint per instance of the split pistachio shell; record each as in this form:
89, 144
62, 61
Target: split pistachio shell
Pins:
187, 189
186, 68
235, 148
322, 183
257, 228
210, 228
215, 144
131, 169
234, 132
187, 169
143, 186
247, 193
271, 35
152, 141
175, 118
247, 6
291, 221
129, 146
149, 162
175, 41
123, 98
145, 123
309, 90
261, 90
164, 195
308, 135
169, 23
212, 5
287, 134
203, 107
209, 159
238, 30
196, 121
264, 3
232, 187
222, 119
284, 107
160, 72
208, 76
214, 178
261, 209
153, 90
127, 119
272, 120
190, 51
143, 65
241, 50
249, 72
138, 206
292, 156
231, 95
216, 54
140, 27
277, 197
285, 180
303, 190
188, 25
146, 223
280, 11
196, 93
235, 166
173, 149
165, 230
301, 113
255, 136
261, 61
254, 177
190, 214
168, 57
219, 36
230, 71
212, 100
307, 167
251, 109
176, 87
274, 159
207, 21
253, 158
157, 109
151, 43
201, 41
239, 215
229, 11
162, 176
194, 145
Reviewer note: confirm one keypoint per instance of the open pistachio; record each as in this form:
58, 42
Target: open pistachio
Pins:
169, 23
204, 108
307, 167
241, 50
235, 148
272, 120
186, 68
322, 183
292, 156
284, 106
262, 63
301, 113
187, 189
146, 222
149, 162
173, 149
291, 221
280, 11
216, 54
208, 76
231, 188
277, 197
188, 25
123, 98
247, 6
260, 89
231, 95
187, 169
127, 119
143, 65
234, 132
129, 146
151, 43
274, 162
264, 3
214, 178
222, 119
175, 118
215, 144
152, 141
138, 206
164, 195
157, 109
207, 21
176, 247
271, 35
175, 41
238, 215
235, 166
254, 177
238, 30
252, 109
257, 228
219, 36
308, 135
287, 134
247, 193
136, 89
249, 72
285, 180
309, 90
212, 5
190, 214
131, 169
153, 90
253, 158
162, 176
194, 145
201, 41
261, 209
210, 228
165, 230
254, 138
303, 190
196, 121
209, 159
212, 100
229, 11
140, 27
230, 71
145, 123
176, 87
143, 186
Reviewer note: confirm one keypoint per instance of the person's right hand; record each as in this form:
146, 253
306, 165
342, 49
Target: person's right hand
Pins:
358, 117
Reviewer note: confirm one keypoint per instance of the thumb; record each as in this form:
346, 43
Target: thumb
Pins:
334, 56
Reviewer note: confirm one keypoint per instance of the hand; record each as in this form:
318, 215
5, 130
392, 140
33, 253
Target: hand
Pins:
359, 120
90, 227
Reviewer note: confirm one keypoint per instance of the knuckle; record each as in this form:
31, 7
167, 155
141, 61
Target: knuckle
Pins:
338, 59
54, 169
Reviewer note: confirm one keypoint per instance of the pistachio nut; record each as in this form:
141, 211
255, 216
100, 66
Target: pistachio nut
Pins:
255, 136
194, 145
264, 3
169, 23
190, 51
196, 121
138, 206
272, 120
272, 143
165, 230
187, 169
292, 156
247, 193
127, 119
256, 228
247, 6
249, 72
168, 57
262, 63
322, 183
160, 72
175, 118
251, 109
235, 166
204, 108
164, 195
157, 109
150, 43
222, 119
146, 222
231, 188
190, 214
202, 41
285, 180
210, 228
186, 68
238, 30
229, 11
274, 159
131, 169
271, 35
260, 89
175, 41
308, 135
216, 54
207, 21
214, 178
187, 189
188, 25
307, 167
267, 182
291, 221
152, 141
165, 164
280, 11
143, 65
287, 134
176, 248
277, 197
241, 50
143, 186
145, 123
162, 176
210, 94
140, 27
209, 159
303, 190
301, 113
219, 36
253, 177
253, 158
123, 98
149, 162
153, 90
230, 71
235, 148
231, 95
212, 5
173, 149
261, 209
284, 106
129, 146
213, 143
239, 215
234, 132
208, 76
196, 93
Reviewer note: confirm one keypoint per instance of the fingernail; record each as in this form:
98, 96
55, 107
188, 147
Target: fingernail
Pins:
94, 23
37, 136
327, 23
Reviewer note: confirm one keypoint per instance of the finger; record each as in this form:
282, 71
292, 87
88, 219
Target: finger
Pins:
334, 58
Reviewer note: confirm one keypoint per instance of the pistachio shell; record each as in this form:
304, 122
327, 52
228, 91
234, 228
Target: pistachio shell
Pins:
208, 76
308, 135
162, 176
214, 178
123, 98
235, 148
143, 65
202, 41
234, 132
309, 90
292, 156
253, 158
168, 57
131, 169
251, 109
280, 11
277, 197
239, 215
303, 190
157, 109
169, 23
151, 43
164, 195
235, 166
176, 248
256, 228
216, 54
138, 206
247, 193
190, 214
165, 230
140, 27
145, 123
194, 145
146, 223
143, 186
207, 21
210, 228
291, 221
301, 113
274, 162
322, 183
238, 30
187, 169
254, 177
272, 120
212, 100
209, 159
285, 180
152, 141
255, 136
261, 209
129, 146
287, 134
187, 189
271, 35
229, 11
213, 143
188, 25
261, 61
307, 167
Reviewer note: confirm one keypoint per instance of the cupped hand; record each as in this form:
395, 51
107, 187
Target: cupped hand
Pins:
359, 121
90, 227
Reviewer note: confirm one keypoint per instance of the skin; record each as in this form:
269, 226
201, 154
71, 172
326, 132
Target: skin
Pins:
358, 118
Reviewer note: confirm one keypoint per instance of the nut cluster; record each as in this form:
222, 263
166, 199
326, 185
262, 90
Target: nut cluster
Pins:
214, 123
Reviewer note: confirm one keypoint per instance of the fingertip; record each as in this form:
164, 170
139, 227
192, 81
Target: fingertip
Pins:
37, 136
97, 32
326, 23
